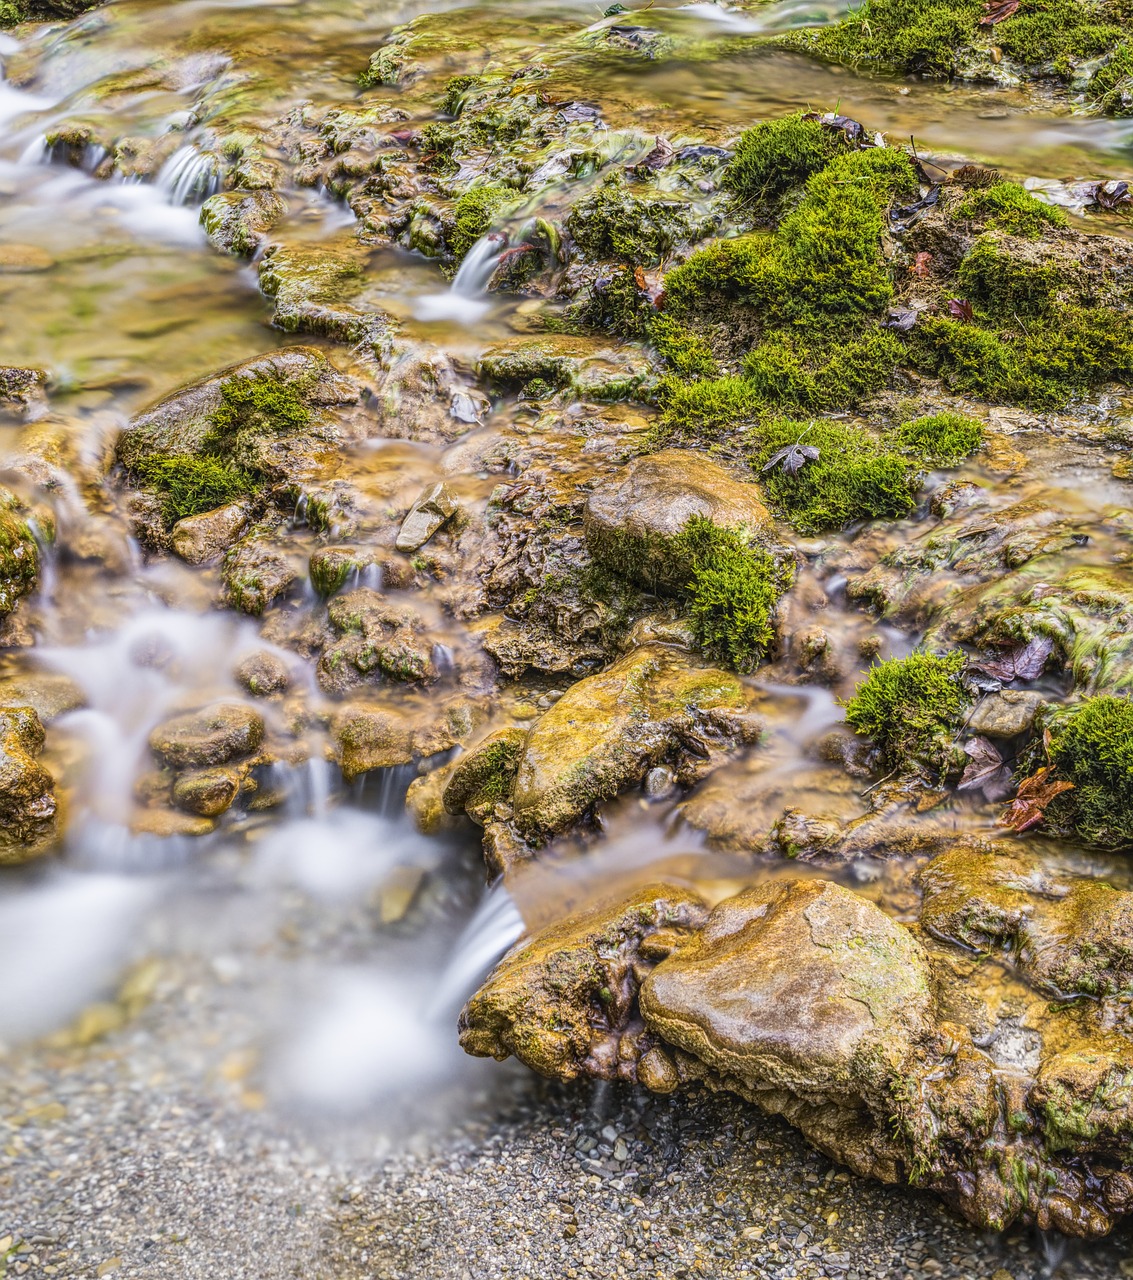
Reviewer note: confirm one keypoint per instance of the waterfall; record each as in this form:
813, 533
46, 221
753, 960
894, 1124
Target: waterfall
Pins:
189, 176
466, 300
496, 926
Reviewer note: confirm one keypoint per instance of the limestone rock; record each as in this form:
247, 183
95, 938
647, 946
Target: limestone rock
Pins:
799, 985
236, 222
654, 705
198, 539
431, 510
563, 1002
482, 779
1006, 714
27, 789
212, 736
631, 517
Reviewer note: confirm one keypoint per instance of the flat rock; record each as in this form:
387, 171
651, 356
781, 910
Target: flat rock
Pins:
1006, 714
631, 518
431, 510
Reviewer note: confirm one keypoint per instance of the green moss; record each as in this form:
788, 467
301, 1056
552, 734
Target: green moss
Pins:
1091, 745
685, 352
733, 592
786, 371
1041, 363
11, 13
854, 478
454, 92
911, 708
1006, 206
437, 142
251, 408
19, 555
998, 283
615, 304
474, 213
942, 439
921, 36
778, 155
1055, 33
694, 410
189, 486
614, 222
1112, 84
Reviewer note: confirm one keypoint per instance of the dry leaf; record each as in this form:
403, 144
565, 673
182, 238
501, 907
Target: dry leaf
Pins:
997, 11
985, 771
960, 309
922, 266
1025, 663
1034, 794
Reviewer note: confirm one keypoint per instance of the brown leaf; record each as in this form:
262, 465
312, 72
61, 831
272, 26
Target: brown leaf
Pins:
1025, 663
660, 156
1034, 794
960, 309
639, 278
986, 770
922, 266
997, 11
1110, 194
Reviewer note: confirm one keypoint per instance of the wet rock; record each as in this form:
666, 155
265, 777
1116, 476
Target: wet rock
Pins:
263, 674
213, 736
330, 568
421, 396
550, 362
797, 985
237, 222
48, 694
199, 539
367, 738
562, 1002
1006, 714
22, 259
207, 792
256, 573
424, 803
604, 735
316, 290
376, 639
1069, 934
20, 388
431, 510
482, 779
27, 789
632, 516
180, 424
19, 554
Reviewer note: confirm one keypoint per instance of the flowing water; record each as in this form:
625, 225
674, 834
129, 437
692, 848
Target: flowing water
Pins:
333, 941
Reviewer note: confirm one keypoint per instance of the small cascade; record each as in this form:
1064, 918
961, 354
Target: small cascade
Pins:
493, 930
189, 176
466, 300
382, 791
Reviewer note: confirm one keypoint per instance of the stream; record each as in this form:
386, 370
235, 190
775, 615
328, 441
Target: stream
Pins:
299, 962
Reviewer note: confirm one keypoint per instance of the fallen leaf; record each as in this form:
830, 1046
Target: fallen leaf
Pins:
961, 310
922, 265
1025, 663
1110, 194
900, 318
793, 458
854, 131
985, 771
997, 11
660, 156
639, 278
906, 213
976, 175
1034, 794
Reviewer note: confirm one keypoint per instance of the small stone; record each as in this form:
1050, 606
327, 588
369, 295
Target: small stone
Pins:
659, 783
1006, 714
198, 539
428, 513
263, 673
108, 1267
206, 792
398, 893
208, 737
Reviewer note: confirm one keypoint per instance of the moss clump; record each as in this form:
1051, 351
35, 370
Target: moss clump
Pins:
943, 439
189, 486
778, 155
1001, 285
616, 304
454, 92
260, 405
685, 352
11, 13
474, 213
855, 477
613, 222
1112, 84
912, 708
1055, 33
1006, 206
733, 592
1042, 364
693, 410
1091, 745
19, 555
786, 371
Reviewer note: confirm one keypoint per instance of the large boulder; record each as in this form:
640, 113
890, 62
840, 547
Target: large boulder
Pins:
800, 985
653, 706
632, 518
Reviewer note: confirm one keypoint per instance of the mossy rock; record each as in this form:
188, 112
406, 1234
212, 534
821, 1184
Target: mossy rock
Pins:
237, 222
28, 809
482, 779
213, 736
19, 554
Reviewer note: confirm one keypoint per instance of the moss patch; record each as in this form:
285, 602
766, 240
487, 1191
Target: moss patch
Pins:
733, 592
942, 439
911, 708
1006, 206
855, 477
474, 213
189, 486
1091, 745
777, 156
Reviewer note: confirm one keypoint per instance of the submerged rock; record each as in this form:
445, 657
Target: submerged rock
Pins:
431, 510
632, 517
653, 706
215, 735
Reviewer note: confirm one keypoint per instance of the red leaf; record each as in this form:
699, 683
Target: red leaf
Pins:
922, 267
1034, 794
997, 11
960, 309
